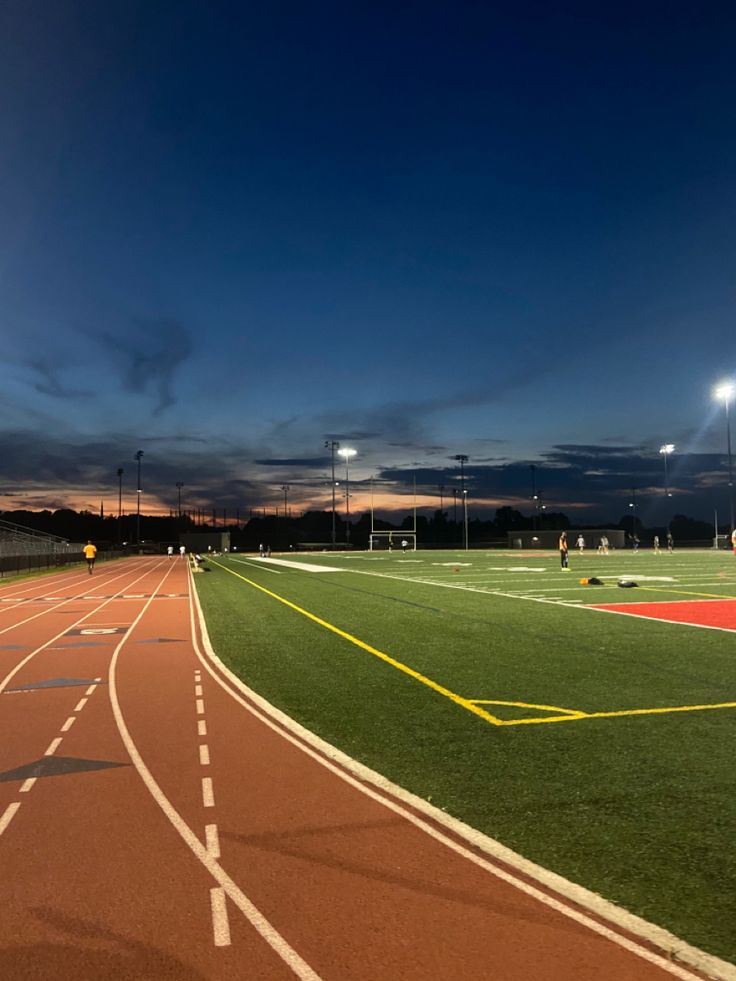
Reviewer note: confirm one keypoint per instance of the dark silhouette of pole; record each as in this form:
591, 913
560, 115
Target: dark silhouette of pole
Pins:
462, 460
120, 503
332, 445
138, 457
179, 486
454, 506
285, 489
730, 465
535, 498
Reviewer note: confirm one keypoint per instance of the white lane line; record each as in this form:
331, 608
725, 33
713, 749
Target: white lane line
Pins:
80, 704
204, 755
8, 815
220, 924
53, 746
198, 691
208, 794
200, 706
212, 840
69, 723
90, 689
27, 784
201, 727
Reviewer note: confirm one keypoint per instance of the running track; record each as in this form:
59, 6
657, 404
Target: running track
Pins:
154, 825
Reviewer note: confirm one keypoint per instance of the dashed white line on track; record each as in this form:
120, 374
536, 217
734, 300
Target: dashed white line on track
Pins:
201, 727
69, 723
90, 689
27, 784
80, 705
200, 706
198, 691
220, 923
204, 755
208, 794
212, 840
53, 746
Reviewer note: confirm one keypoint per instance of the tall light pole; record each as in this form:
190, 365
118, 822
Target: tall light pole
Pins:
332, 445
665, 449
724, 393
462, 460
285, 489
632, 505
120, 503
179, 486
442, 499
346, 454
137, 457
535, 497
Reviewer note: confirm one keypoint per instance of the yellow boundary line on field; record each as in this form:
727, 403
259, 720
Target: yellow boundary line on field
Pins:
473, 704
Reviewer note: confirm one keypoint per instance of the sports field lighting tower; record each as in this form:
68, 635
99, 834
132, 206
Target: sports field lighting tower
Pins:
179, 485
724, 392
665, 449
285, 489
462, 460
138, 457
120, 503
332, 445
346, 453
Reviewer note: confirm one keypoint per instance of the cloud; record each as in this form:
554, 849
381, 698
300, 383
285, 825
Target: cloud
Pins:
147, 356
50, 382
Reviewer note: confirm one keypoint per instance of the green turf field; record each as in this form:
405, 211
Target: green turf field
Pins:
597, 744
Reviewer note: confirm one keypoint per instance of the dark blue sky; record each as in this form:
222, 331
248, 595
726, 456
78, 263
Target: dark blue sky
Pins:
230, 231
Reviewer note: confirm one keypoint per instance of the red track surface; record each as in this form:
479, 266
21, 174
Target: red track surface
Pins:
108, 872
699, 613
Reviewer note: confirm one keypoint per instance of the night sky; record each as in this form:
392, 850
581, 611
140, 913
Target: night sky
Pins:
229, 232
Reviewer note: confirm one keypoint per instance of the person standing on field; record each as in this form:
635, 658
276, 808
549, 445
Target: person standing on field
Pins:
90, 554
182, 551
563, 552
733, 541
580, 544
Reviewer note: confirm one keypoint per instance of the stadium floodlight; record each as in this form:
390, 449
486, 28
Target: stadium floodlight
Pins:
462, 460
332, 445
137, 456
346, 453
724, 392
665, 449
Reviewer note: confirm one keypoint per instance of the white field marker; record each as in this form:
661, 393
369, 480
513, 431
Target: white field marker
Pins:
80, 705
220, 924
201, 727
200, 706
69, 723
198, 691
90, 689
27, 784
53, 746
208, 795
204, 755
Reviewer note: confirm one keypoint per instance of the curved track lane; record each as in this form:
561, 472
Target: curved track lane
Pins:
154, 823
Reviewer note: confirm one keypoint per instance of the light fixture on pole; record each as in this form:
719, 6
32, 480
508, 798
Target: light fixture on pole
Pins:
120, 503
285, 489
462, 460
332, 445
665, 449
535, 497
138, 457
346, 454
724, 393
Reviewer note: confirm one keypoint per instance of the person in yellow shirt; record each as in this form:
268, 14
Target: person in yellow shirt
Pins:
90, 553
563, 552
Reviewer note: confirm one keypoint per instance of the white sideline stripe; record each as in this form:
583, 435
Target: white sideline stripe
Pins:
201, 727
212, 840
257, 562
220, 924
254, 916
204, 755
338, 762
27, 784
80, 705
69, 723
53, 746
8, 815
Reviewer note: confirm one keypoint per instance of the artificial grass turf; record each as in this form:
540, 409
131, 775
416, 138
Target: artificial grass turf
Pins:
639, 809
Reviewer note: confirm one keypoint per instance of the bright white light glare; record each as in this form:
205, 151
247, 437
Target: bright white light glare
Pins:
667, 448
724, 391
346, 452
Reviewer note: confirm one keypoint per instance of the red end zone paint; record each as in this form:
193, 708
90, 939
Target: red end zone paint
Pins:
699, 613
